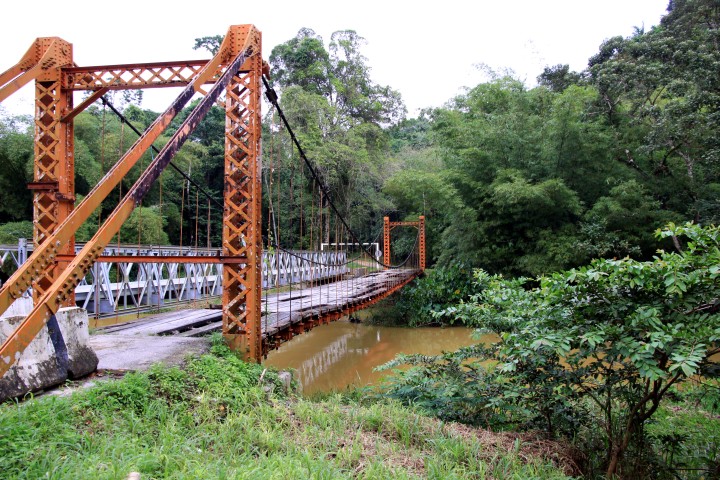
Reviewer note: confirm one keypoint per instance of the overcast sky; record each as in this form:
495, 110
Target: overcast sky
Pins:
427, 50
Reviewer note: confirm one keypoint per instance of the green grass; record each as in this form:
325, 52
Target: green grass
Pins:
214, 420
686, 432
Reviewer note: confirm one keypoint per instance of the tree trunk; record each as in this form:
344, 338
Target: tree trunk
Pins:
613, 464
326, 209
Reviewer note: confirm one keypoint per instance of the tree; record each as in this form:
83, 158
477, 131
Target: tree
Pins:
598, 346
337, 113
525, 164
417, 191
210, 43
16, 158
558, 78
411, 134
303, 61
11, 232
145, 226
340, 75
628, 211
661, 93
355, 94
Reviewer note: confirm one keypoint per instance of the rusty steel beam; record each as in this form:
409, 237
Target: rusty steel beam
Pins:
85, 104
45, 56
59, 237
386, 242
242, 297
403, 224
134, 75
54, 160
388, 226
68, 279
421, 247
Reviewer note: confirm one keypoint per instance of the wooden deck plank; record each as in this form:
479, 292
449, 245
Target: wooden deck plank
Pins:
201, 331
164, 323
280, 311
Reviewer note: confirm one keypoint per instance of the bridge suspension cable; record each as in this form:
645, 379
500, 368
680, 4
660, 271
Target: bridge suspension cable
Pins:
272, 97
352, 281
127, 122
238, 71
60, 289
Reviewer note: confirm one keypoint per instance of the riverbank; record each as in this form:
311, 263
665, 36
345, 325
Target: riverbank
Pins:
221, 418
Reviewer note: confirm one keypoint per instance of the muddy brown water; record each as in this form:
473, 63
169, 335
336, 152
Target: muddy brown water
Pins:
341, 354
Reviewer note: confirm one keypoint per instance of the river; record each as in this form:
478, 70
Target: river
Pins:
341, 354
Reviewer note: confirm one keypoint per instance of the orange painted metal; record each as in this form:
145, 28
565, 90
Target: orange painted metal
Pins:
404, 224
54, 157
421, 246
44, 255
54, 166
47, 188
51, 296
134, 75
387, 228
44, 57
242, 295
386, 242
85, 104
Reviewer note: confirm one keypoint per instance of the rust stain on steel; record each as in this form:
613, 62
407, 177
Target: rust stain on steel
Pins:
48, 185
61, 288
388, 226
41, 257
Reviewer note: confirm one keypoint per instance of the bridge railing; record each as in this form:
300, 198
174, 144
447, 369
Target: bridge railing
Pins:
118, 287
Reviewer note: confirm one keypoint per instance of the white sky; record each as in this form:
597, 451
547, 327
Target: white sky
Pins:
426, 50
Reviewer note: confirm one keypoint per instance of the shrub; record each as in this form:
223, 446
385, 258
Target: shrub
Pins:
440, 288
596, 347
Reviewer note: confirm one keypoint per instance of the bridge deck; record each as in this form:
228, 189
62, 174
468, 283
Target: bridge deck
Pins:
284, 314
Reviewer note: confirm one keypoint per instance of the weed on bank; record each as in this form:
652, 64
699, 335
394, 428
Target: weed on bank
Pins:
219, 417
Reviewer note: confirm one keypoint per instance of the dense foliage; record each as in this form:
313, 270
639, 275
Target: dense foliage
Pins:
513, 179
527, 181
220, 417
418, 304
594, 348
100, 139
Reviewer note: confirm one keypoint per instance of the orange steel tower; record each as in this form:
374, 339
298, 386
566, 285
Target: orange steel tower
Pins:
53, 270
242, 295
387, 228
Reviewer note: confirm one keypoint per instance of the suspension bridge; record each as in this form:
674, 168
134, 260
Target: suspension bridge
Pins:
269, 292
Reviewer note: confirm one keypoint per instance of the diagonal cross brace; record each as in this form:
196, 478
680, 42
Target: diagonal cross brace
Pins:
51, 300
45, 253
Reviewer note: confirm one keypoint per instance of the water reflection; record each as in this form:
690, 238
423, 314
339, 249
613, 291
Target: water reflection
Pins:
342, 353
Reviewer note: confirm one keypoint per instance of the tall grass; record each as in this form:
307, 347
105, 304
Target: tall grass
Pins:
214, 419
